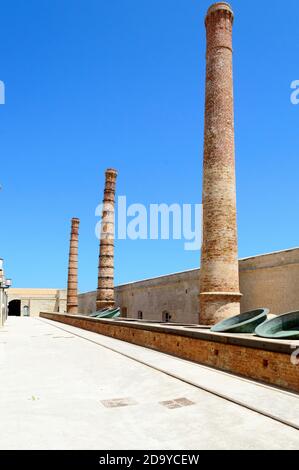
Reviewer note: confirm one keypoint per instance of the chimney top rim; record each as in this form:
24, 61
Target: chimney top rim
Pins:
111, 170
220, 6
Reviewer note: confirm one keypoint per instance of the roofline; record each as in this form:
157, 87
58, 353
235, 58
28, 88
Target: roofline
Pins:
35, 288
158, 277
270, 253
197, 269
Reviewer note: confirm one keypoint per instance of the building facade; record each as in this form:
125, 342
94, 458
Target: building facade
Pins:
29, 302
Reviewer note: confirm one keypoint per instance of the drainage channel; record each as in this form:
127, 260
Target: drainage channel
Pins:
177, 377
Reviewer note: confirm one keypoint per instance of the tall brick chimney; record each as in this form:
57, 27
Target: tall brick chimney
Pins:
219, 276
72, 282
105, 291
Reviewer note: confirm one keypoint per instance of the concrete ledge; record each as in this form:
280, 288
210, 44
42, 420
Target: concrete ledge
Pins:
264, 360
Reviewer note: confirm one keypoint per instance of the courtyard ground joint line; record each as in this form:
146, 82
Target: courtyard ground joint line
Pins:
177, 377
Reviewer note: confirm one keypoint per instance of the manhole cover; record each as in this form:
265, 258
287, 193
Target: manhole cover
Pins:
177, 403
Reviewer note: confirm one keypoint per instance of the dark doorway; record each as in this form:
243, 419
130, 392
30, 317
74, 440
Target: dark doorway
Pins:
166, 317
14, 308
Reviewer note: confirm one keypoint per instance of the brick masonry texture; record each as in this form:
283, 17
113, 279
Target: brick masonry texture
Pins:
72, 281
105, 291
262, 364
219, 287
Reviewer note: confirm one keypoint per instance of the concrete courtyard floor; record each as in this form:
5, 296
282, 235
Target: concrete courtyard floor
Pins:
65, 388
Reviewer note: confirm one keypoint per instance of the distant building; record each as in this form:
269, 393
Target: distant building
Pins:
29, 302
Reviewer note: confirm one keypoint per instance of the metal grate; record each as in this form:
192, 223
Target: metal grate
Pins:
177, 403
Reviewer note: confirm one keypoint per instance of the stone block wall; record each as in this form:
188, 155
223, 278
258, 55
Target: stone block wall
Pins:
270, 280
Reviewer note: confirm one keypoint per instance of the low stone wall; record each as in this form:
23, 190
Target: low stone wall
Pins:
245, 355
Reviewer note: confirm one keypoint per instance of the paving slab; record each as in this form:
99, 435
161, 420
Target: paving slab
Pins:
62, 389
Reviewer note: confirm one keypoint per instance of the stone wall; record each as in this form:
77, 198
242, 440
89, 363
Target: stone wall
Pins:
270, 280
87, 302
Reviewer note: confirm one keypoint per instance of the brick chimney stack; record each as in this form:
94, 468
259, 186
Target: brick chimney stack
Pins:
219, 276
105, 291
72, 283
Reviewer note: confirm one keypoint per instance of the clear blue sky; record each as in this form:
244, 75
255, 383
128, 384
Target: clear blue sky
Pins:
92, 84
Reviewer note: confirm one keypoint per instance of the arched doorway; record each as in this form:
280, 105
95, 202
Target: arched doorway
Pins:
166, 317
14, 308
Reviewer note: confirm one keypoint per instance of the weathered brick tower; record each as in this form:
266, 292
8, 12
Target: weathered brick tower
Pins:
72, 282
105, 291
219, 276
